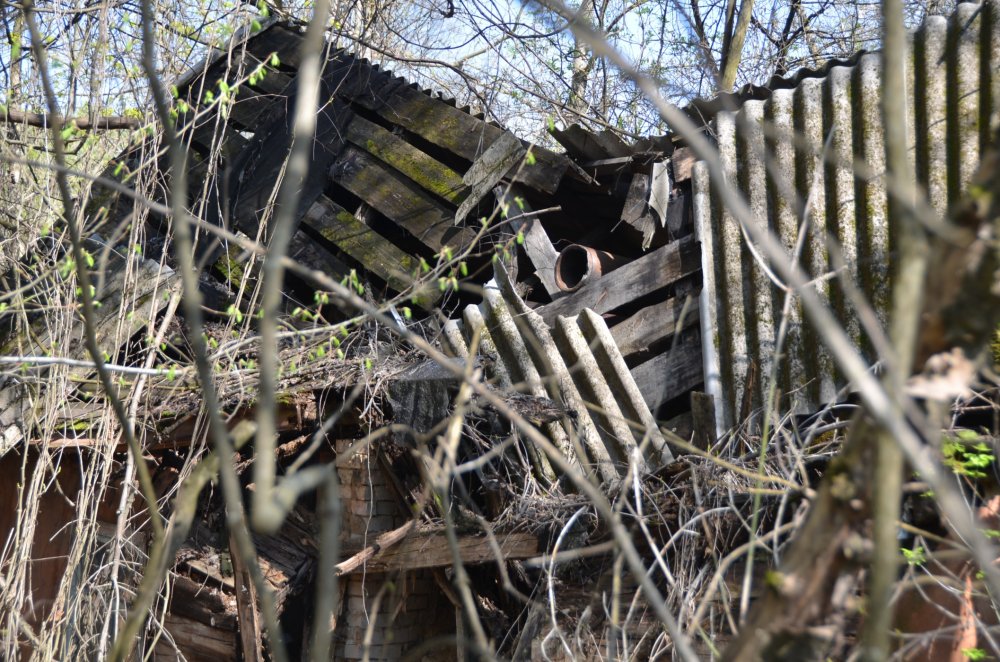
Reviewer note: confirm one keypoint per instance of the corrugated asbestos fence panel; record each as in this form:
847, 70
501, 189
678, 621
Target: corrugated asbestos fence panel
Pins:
577, 364
773, 151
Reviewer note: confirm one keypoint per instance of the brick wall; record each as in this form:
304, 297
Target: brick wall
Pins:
402, 610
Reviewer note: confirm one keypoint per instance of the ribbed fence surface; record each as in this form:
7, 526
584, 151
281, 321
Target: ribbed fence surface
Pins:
791, 156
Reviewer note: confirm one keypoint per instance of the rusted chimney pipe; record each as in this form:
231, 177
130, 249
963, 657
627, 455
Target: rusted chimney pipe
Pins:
576, 265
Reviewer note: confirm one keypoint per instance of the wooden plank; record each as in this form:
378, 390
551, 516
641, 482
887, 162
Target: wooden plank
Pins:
654, 324
260, 167
636, 279
703, 420
537, 244
254, 111
201, 603
430, 550
378, 255
670, 374
251, 639
273, 82
486, 172
313, 254
196, 641
429, 173
682, 160
458, 132
636, 212
396, 197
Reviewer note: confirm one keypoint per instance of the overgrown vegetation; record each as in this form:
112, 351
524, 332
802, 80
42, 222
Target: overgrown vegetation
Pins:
790, 537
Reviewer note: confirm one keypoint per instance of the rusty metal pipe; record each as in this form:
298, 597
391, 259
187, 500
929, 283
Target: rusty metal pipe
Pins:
576, 265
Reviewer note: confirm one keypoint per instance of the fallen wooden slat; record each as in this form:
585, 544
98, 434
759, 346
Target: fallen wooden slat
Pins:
636, 212
536, 244
399, 199
636, 279
379, 255
383, 542
429, 173
487, 171
429, 549
654, 324
672, 373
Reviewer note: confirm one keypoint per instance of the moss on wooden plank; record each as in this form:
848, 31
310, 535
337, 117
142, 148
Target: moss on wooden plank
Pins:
399, 199
377, 254
429, 173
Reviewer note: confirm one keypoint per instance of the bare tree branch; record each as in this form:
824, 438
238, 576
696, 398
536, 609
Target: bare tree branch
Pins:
45, 121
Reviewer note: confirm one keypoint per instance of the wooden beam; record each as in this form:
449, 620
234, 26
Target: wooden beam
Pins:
446, 127
429, 549
196, 641
383, 542
649, 273
487, 171
537, 244
670, 374
654, 324
636, 211
251, 634
379, 255
258, 169
398, 198
427, 172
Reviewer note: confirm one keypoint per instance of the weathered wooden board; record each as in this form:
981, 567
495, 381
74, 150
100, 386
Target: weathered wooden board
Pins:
462, 134
671, 374
205, 132
254, 111
430, 550
486, 172
260, 167
639, 278
636, 212
273, 82
201, 603
399, 199
429, 173
654, 324
537, 244
379, 255
196, 641
251, 629
313, 254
